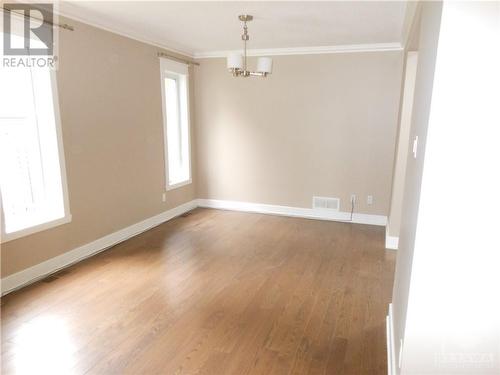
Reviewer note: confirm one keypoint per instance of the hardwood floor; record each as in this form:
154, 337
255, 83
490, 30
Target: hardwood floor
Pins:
213, 292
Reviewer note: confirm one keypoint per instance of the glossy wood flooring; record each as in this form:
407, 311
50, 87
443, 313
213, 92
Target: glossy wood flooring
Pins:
213, 292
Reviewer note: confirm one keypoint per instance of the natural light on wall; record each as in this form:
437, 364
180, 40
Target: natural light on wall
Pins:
32, 176
174, 80
453, 323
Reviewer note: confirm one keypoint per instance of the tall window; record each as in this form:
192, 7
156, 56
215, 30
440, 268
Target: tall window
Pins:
175, 94
32, 176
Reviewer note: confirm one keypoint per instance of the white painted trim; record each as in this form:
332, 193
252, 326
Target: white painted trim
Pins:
391, 355
347, 48
6, 237
307, 213
123, 33
41, 270
60, 145
391, 242
179, 184
408, 22
180, 71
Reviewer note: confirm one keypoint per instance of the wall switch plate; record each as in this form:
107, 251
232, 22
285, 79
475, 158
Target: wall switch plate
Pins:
415, 147
369, 200
164, 197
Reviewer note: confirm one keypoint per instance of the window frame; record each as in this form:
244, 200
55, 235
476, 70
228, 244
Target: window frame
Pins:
66, 218
174, 70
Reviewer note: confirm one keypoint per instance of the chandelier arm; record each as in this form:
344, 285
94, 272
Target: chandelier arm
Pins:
239, 68
258, 74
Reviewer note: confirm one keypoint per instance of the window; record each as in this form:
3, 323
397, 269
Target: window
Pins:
32, 174
175, 94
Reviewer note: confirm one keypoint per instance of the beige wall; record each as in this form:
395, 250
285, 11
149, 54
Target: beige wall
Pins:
319, 125
111, 116
402, 148
447, 299
411, 33
427, 27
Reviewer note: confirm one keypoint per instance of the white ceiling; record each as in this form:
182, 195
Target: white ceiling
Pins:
207, 28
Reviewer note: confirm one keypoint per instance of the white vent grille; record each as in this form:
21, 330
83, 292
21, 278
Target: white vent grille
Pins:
325, 203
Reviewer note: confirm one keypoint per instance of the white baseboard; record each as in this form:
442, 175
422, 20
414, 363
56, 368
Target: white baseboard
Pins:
391, 354
41, 270
307, 213
391, 242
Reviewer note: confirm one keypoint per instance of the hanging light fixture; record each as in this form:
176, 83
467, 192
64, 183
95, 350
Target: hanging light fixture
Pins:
237, 63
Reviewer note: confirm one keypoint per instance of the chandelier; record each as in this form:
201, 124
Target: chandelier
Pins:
237, 63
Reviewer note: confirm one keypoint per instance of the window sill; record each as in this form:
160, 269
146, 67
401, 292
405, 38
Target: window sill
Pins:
6, 237
179, 184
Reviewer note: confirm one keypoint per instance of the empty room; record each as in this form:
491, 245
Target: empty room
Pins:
250, 187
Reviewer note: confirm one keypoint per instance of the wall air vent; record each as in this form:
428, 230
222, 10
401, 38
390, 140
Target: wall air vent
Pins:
325, 203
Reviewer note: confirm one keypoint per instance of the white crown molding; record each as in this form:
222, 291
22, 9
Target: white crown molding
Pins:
307, 213
41, 270
347, 48
124, 34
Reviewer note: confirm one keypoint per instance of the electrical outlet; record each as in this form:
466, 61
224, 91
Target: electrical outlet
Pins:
353, 198
369, 200
164, 197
